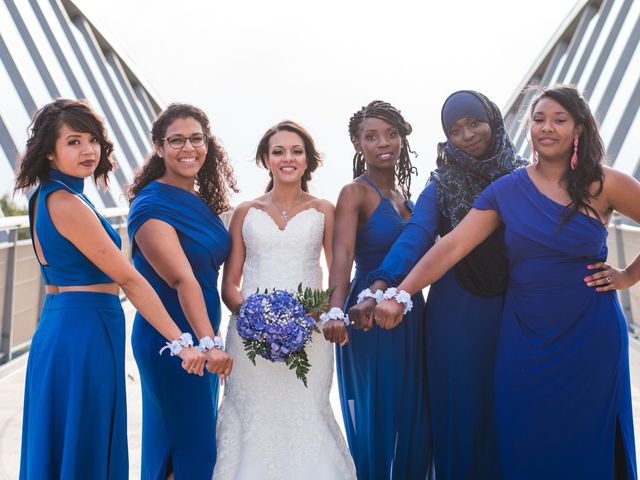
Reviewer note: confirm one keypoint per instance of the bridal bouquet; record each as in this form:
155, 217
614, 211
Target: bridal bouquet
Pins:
276, 325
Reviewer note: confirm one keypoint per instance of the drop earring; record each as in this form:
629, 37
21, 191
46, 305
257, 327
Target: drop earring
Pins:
574, 157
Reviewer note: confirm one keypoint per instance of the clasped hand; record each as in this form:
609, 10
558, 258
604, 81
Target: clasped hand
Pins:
192, 360
217, 361
335, 331
387, 314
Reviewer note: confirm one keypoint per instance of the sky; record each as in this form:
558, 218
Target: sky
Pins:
249, 64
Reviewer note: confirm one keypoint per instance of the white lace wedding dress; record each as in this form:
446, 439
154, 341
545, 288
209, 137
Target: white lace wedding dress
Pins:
270, 426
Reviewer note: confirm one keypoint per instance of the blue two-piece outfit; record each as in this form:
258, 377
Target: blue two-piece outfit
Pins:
381, 373
179, 410
563, 396
74, 423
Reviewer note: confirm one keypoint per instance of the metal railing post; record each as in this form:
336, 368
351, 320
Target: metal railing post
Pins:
7, 311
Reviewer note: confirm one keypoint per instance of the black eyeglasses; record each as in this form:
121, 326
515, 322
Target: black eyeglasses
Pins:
178, 141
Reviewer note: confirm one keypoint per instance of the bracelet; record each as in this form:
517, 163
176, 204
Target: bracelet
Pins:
401, 297
367, 293
207, 344
335, 313
184, 341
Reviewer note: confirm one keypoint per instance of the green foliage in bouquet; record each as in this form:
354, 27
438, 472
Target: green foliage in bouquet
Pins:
277, 325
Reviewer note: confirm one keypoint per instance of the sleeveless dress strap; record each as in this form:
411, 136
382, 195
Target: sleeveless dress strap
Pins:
373, 186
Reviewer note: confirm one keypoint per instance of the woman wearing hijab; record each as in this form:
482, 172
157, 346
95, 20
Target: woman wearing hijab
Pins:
563, 394
464, 308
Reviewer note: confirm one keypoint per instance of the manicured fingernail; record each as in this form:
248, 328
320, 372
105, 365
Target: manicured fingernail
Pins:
589, 267
586, 279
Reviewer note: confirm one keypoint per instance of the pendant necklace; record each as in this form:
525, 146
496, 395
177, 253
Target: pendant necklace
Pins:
284, 212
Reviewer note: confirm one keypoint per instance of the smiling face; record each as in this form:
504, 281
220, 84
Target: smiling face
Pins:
472, 136
75, 153
185, 162
553, 130
380, 143
286, 158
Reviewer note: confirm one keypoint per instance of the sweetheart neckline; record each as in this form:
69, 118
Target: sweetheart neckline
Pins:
273, 222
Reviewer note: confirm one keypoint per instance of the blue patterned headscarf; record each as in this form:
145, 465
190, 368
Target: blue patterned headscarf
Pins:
459, 179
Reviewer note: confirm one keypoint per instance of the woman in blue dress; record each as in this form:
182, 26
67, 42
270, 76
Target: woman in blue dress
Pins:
464, 308
178, 244
74, 424
563, 397
380, 374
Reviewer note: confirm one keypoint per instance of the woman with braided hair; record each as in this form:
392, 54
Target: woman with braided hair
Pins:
381, 374
463, 310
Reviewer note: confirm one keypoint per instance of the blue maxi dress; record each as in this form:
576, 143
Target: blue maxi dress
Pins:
381, 374
178, 410
461, 340
563, 394
75, 419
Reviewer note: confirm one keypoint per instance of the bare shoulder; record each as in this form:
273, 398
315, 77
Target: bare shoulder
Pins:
619, 187
241, 210
353, 193
615, 177
616, 182
239, 214
322, 205
64, 205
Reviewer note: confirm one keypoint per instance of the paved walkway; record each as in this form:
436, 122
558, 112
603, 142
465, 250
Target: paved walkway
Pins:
12, 390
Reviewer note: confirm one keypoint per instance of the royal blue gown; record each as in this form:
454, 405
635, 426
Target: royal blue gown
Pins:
381, 374
178, 410
563, 394
75, 415
461, 337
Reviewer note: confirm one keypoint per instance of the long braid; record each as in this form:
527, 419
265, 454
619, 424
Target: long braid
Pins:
388, 113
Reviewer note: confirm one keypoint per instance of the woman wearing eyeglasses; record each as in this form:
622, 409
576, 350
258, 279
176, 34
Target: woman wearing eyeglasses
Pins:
178, 243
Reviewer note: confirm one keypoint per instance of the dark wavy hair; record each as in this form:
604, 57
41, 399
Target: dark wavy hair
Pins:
591, 152
215, 178
314, 159
44, 131
387, 112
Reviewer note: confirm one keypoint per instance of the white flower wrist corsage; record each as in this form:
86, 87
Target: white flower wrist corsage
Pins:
184, 341
207, 344
335, 313
401, 297
367, 293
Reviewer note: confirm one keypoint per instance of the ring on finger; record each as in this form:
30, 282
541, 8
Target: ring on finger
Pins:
609, 279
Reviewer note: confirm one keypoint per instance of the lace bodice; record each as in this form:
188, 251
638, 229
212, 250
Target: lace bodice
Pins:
282, 258
270, 426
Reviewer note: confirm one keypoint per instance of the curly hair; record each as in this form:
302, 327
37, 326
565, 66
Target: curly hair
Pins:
314, 159
45, 128
215, 178
388, 113
591, 150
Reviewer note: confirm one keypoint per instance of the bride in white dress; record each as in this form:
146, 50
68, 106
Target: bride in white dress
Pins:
269, 424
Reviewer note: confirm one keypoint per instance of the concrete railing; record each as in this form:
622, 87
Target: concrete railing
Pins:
21, 288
